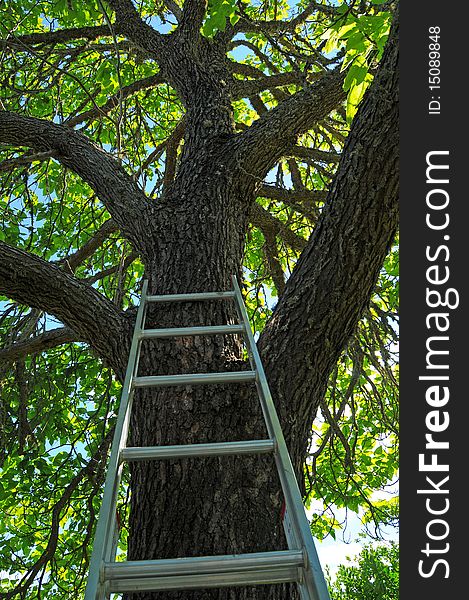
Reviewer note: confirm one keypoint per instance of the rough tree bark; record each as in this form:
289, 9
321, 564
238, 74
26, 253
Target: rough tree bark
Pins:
193, 240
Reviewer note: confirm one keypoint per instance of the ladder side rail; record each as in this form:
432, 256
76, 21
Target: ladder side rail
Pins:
112, 536
294, 502
107, 517
293, 532
110, 549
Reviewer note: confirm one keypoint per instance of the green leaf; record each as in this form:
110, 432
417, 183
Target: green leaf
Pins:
356, 75
218, 14
347, 30
332, 43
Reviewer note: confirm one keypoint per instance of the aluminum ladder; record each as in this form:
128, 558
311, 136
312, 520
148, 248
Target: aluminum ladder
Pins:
298, 564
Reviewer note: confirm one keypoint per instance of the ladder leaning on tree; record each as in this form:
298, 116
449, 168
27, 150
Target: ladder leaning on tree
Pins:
298, 564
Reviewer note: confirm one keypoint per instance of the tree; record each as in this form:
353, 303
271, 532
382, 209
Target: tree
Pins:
374, 577
141, 141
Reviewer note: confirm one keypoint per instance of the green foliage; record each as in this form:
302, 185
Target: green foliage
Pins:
57, 408
361, 37
219, 13
48, 492
355, 446
375, 576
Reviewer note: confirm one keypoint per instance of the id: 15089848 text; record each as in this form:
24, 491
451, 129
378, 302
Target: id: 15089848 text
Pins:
434, 70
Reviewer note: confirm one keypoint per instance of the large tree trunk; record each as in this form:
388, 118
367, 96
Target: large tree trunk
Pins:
200, 506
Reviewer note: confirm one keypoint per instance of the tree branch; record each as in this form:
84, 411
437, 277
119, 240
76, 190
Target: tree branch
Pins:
263, 58
130, 24
174, 8
33, 281
273, 133
258, 105
72, 261
49, 38
333, 280
190, 72
191, 19
245, 88
111, 270
173, 140
116, 189
113, 101
292, 196
25, 160
313, 154
295, 175
310, 9
275, 268
172, 145
245, 25
39, 343
266, 222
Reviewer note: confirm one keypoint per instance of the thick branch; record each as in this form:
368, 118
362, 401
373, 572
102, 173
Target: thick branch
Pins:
258, 105
186, 63
116, 189
192, 18
130, 24
33, 281
270, 136
172, 52
333, 280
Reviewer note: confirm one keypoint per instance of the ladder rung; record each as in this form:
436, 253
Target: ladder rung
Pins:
225, 563
195, 378
182, 331
210, 580
215, 449
191, 297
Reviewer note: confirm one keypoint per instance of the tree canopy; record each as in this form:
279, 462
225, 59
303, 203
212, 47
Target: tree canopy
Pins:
113, 116
374, 576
